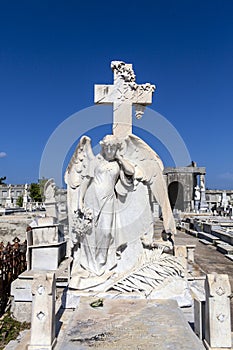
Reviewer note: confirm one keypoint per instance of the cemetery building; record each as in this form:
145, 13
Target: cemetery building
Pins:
219, 198
9, 194
183, 185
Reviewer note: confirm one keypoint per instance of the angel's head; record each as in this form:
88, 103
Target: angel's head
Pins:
110, 144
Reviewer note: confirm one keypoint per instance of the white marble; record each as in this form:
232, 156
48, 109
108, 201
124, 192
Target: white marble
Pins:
46, 245
50, 200
47, 257
217, 312
123, 94
43, 312
182, 255
109, 206
110, 196
21, 304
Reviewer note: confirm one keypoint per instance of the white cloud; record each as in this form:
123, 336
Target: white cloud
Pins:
2, 154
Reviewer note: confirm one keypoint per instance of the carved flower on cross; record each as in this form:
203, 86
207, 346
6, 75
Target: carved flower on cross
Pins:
123, 70
148, 87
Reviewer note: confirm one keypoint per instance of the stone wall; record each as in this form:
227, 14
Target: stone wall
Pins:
14, 225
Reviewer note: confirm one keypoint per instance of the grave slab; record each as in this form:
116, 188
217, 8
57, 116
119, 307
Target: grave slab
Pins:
225, 248
128, 324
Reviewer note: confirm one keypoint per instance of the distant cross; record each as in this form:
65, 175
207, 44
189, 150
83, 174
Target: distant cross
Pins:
123, 94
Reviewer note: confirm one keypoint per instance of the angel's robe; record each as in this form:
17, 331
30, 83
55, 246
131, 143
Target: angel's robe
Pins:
122, 214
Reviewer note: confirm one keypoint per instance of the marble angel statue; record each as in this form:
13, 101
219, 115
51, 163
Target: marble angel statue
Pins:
110, 216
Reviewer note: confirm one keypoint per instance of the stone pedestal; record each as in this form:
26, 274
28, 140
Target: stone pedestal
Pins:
46, 252
190, 252
46, 245
199, 306
199, 315
21, 289
217, 312
181, 254
21, 305
43, 313
46, 257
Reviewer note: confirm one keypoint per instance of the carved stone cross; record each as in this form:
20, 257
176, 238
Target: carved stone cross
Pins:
123, 94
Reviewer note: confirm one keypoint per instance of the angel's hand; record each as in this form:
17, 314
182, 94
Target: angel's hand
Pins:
118, 156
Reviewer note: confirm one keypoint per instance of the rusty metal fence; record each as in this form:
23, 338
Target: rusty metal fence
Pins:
12, 264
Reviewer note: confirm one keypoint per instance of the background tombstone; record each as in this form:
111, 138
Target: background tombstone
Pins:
50, 200
25, 197
43, 312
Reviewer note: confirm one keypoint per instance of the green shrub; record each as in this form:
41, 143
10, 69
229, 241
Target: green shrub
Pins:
10, 329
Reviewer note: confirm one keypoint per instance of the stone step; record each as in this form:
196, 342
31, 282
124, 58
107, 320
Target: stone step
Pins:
192, 232
226, 237
218, 241
204, 241
208, 236
225, 248
229, 256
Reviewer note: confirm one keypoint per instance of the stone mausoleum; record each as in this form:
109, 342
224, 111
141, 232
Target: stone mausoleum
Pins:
184, 183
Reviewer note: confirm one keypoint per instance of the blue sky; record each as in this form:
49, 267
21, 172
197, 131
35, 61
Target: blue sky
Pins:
53, 52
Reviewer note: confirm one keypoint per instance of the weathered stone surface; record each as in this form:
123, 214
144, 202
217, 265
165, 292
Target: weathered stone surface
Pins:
129, 324
46, 244
217, 311
47, 257
12, 226
43, 312
181, 184
182, 255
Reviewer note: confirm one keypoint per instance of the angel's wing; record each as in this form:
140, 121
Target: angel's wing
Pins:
149, 169
80, 166
144, 158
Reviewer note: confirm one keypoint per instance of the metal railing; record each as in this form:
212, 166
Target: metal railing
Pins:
12, 264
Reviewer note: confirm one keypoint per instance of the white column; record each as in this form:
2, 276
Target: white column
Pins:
43, 312
217, 312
